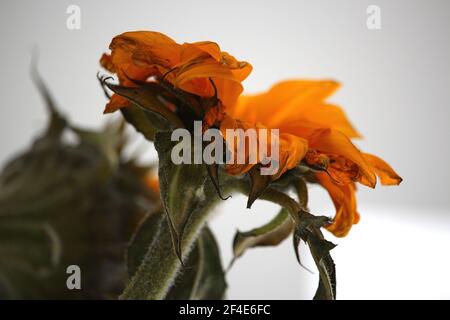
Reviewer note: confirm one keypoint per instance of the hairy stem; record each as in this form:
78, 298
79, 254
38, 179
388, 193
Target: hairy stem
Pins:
160, 266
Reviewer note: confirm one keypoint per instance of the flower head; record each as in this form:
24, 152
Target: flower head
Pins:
194, 89
141, 55
312, 132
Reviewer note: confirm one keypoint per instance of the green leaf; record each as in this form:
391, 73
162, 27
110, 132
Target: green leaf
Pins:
152, 262
182, 189
145, 122
203, 277
210, 281
258, 183
213, 173
142, 240
270, 234
320, 250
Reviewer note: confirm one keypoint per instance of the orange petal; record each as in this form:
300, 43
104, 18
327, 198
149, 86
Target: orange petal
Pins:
150, 50
291, 148
228, 91
322, 116
292, 151
293, 96
283, 100
228, 86
292, 104
142, 54
240, 69
383, 170
246, 108
243, 71
235, 168
211, 48
106, 62
335, 142
344, 200
196, 52
116, 103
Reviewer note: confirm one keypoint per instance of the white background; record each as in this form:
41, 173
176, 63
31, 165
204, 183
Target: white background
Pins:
396, 85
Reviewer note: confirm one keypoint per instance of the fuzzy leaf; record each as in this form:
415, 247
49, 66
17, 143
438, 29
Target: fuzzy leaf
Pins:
203, 277
210, 282
182, 188
145, 122
270, 234
213, 173
142, 239
320, 250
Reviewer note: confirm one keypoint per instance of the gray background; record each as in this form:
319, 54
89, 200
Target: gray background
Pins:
395, 90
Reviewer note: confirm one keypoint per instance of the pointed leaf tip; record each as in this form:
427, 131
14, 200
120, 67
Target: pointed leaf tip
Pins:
258, 183
213, 173
269, 234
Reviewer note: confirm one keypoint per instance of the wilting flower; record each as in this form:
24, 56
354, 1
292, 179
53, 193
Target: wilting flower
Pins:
140, 55
312, 131
317, 133
170, 86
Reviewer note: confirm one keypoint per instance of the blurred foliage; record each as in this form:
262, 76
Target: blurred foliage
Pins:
71, 198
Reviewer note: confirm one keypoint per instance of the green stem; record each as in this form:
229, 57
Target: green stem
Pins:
160, 266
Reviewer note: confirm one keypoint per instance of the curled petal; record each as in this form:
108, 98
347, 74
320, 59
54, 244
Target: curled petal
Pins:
195, 79
196, 50
145, 48
335, 142
344, 200
383, 170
